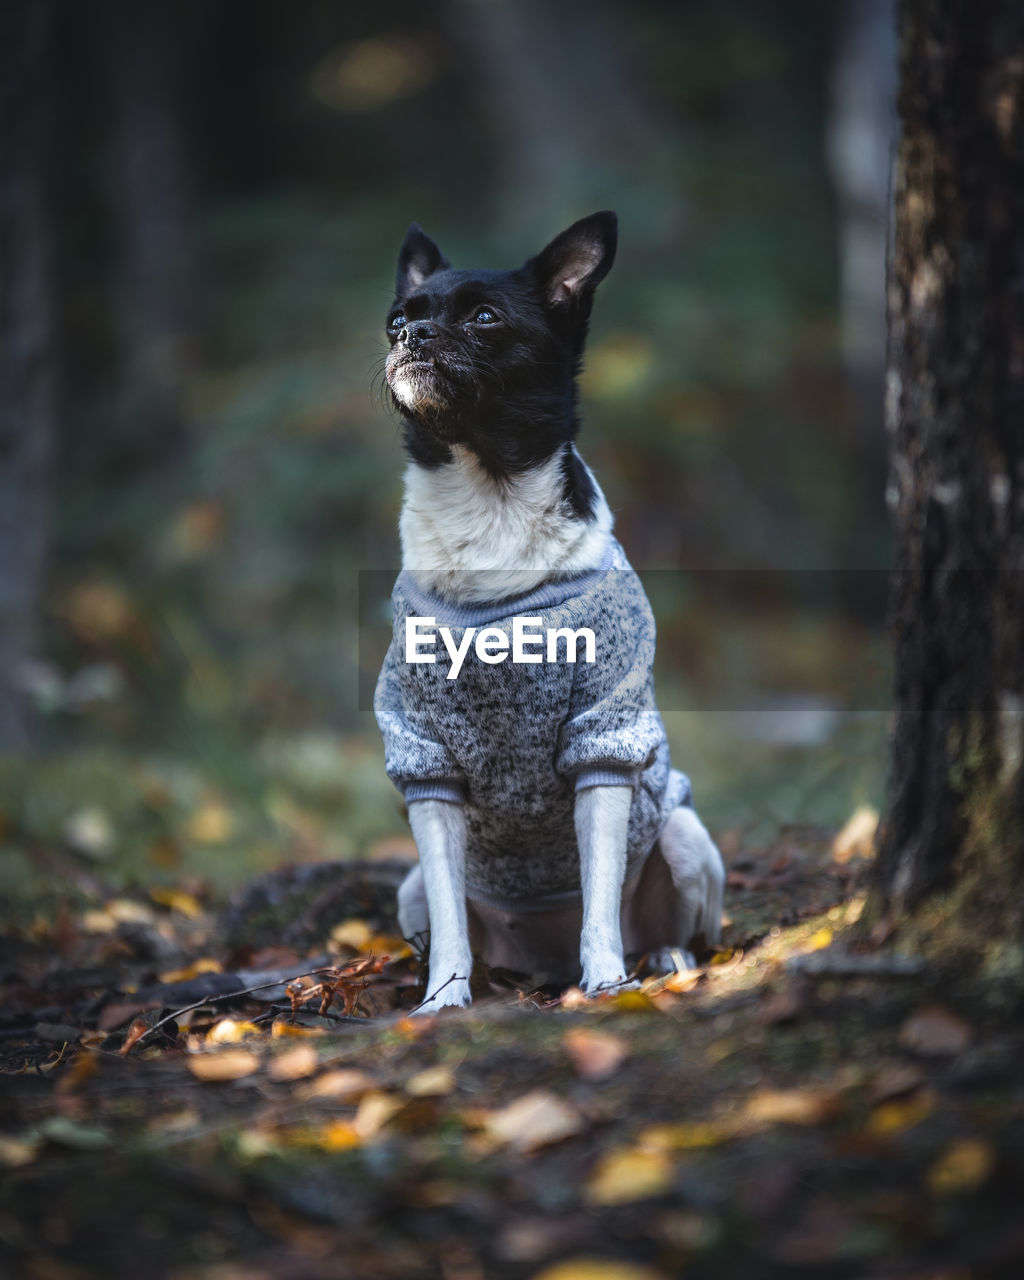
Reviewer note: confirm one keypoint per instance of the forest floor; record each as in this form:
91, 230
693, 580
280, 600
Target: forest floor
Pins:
808, 1103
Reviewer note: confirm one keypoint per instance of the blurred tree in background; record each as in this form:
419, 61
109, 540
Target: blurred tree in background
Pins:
229, 187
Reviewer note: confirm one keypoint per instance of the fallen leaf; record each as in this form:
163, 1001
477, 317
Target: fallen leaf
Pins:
351, 933
228, 1031
895, 1082
98, 921
82, 1068
935, 1031
857, 838
901, 1113
537, 1119
282, 1030
128, 911
594, 1054
434, 1082
294, 1064
818, 941
632, 1173
177, 900
135, 1033
687, 1136
205, 965
232, 1064
15, 1152
342, 1085
964, 1166
212, 823
598, 1269
338, 1135
375, 1109
791, 1106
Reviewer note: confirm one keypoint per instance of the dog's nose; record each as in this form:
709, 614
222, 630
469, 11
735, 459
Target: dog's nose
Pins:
418, 333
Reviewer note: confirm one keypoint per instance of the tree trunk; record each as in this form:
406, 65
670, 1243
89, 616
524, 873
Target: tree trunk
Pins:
26, 337
955, 415
149, 185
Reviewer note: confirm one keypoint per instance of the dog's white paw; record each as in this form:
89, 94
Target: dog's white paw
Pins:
453, 995
670, 960
606, 974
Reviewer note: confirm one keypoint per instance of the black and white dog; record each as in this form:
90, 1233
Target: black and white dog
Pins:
554, 837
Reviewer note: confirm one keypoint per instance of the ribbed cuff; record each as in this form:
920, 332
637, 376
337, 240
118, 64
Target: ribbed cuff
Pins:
604, 776
439, 789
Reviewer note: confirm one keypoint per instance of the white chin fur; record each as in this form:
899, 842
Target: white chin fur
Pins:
470, 538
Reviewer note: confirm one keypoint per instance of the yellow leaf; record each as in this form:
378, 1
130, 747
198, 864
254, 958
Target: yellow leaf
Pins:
212, 823
434, 1082
97, 921
672, 983
632, 1173
282, 1030
964, 1166
339, 1135
127, 911
537, 1119
597, 1269
632, 1002
818, 941
253, 1144
228, 1031
177, 900
725, 956
688, 1136
901, 1113
791, 1106
294, 1064
206, 965
233, 1064
351, 933
343, 1085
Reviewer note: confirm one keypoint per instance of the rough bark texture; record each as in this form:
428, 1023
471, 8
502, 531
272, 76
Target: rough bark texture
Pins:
955, 414
26, 335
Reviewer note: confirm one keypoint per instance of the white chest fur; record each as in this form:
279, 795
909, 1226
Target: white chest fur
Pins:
471, 538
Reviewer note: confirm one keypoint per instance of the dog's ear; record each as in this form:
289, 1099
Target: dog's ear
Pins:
575, 263
418, 258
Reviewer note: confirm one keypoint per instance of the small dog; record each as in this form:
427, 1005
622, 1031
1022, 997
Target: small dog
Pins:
554, 837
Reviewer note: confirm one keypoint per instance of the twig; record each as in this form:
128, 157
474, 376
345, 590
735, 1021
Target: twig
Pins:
434, 994
226, 995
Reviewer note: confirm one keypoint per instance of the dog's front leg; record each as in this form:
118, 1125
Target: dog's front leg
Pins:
439, 829
602, 820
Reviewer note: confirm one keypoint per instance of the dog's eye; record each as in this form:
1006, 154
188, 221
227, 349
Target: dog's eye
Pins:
397, 322
484, 315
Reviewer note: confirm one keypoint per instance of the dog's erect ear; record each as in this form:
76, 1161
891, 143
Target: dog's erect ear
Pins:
418, 258
576, 262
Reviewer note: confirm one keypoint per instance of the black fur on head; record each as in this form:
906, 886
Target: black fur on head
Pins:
488, 359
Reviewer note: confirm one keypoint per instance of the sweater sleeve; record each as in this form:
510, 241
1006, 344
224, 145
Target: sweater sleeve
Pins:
614, 730
420, 767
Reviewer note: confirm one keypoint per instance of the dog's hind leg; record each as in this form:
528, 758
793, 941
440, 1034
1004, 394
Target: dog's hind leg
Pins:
698, 878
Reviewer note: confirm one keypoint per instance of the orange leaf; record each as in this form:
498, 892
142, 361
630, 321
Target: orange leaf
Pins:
594, 1054
294, 1064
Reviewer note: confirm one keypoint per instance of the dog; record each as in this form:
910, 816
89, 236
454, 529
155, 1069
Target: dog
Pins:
554, 837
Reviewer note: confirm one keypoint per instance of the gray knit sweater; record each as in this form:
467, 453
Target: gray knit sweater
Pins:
514, 741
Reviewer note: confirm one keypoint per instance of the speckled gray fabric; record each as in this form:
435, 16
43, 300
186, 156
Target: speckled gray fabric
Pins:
513, 742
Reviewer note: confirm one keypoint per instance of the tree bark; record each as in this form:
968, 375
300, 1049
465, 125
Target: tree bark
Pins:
26, 338
955, 415
149, 186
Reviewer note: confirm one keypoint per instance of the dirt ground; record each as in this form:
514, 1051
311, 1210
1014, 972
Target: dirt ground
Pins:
808, 1103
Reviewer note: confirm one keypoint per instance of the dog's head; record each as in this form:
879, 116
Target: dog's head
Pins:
488, 359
